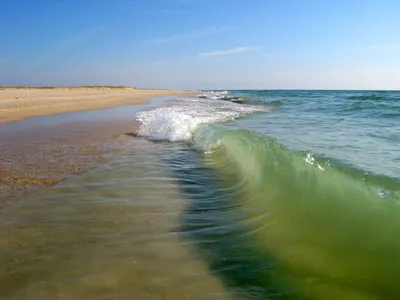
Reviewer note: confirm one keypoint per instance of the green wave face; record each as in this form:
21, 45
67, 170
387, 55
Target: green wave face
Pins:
331, 236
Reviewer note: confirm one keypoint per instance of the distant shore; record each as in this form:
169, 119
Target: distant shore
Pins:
21, 102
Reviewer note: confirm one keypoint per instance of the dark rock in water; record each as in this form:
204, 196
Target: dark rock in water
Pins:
233, 99
226, 98
238, 99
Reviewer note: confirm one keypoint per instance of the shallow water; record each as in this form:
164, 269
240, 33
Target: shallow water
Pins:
112, 233
294, 196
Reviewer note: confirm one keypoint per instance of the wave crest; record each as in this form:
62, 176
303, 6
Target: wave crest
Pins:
313, 223
178, 121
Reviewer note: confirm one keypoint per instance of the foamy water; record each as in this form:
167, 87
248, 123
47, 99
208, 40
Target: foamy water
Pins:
178, 121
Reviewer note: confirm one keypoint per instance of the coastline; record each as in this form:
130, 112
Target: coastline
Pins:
40, 152
19, 103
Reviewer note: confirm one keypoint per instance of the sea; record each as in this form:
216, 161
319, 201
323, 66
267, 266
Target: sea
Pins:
293, 194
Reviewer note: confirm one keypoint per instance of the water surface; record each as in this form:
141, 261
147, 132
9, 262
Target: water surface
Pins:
293, 195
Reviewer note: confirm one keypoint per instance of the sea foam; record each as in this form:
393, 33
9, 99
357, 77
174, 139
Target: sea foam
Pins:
178, 121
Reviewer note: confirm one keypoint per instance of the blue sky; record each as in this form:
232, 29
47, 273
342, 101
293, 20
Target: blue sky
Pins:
202, 44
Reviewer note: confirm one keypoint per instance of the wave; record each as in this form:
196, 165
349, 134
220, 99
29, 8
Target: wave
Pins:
178, 121
327, 234
326, 231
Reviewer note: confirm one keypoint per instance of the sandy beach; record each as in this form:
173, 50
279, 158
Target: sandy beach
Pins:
20, 103
34, 155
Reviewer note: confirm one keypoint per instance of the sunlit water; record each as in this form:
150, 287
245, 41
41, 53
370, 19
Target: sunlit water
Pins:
292, 196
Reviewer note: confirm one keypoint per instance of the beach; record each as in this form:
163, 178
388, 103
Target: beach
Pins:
293, 193
18, 103
89, 211
157, 150
41, 151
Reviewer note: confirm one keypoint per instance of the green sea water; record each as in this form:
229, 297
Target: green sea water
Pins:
294, 195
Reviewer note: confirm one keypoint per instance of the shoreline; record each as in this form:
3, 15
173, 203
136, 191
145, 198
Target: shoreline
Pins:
110, 227
38, 153
20, 103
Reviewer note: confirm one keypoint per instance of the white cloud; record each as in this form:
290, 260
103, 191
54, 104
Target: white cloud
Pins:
224, 52
187, 36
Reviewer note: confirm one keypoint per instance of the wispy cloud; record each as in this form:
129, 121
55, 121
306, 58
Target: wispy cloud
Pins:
187, 36
224, 52
197, 57
62, 44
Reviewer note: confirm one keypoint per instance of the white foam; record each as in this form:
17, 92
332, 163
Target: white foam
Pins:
178, 121
215, 95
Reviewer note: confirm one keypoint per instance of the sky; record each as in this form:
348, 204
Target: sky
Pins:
202, 44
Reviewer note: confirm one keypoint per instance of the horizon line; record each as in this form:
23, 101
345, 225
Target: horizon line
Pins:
186, 89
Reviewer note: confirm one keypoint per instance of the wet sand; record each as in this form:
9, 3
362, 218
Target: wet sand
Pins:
20, 103
30, 162
42, 151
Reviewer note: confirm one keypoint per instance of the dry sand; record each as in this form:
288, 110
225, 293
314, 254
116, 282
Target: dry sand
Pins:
34, 158
19, 103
